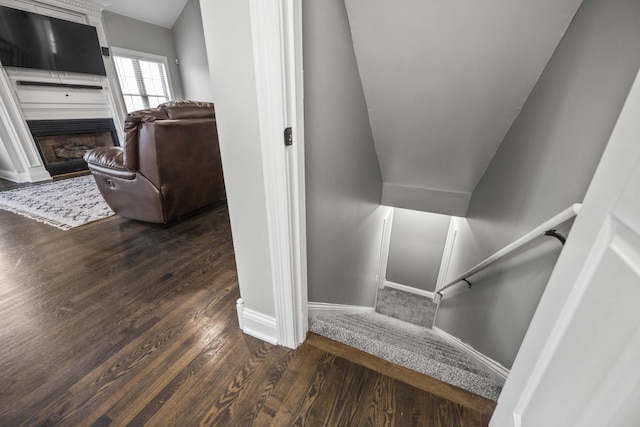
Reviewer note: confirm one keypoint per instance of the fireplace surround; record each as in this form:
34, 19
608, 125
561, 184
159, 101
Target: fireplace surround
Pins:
62, 143
53, 95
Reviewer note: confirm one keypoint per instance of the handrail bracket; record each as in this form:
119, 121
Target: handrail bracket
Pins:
554, 233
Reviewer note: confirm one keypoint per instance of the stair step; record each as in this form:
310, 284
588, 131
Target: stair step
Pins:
408, 345
409, 337
406, 306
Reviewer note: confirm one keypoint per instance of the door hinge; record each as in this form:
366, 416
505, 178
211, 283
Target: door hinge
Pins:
288, 136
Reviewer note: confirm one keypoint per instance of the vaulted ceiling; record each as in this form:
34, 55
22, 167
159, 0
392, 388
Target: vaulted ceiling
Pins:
163, 13
443, 82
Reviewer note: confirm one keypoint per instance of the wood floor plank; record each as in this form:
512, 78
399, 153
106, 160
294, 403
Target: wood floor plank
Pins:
177, 359
298, 404
286, 396
247, 409
122, 372
379, 406
211, 380
349, 385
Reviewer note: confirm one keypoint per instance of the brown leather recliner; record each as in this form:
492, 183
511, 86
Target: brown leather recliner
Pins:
168, 166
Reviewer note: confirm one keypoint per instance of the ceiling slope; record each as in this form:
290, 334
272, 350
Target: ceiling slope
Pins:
444, 81
163, 13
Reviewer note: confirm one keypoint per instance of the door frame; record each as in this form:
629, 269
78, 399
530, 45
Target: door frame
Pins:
276, 27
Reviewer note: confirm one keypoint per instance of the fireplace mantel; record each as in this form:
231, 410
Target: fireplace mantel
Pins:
27, 94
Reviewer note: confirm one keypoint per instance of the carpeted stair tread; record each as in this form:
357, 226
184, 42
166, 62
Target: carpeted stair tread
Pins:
406, 306
419, 363
435, 349
324, 328
408, 336
393, 340
428, 351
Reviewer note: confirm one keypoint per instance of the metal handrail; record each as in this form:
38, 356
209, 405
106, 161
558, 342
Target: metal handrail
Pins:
545, 229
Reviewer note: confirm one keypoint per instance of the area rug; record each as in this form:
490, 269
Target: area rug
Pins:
64, 204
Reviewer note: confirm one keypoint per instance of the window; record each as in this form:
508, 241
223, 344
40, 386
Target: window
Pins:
143, 78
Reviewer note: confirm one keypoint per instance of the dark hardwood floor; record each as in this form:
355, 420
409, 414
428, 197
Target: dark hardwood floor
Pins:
124, 323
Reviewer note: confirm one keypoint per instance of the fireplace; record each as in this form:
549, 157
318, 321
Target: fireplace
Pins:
62, 143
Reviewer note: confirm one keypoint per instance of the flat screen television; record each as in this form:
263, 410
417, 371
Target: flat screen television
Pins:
31, 40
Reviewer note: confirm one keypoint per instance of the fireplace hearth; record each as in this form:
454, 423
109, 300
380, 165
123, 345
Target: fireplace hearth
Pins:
62, 143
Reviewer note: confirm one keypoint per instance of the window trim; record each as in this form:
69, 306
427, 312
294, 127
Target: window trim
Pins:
144, 56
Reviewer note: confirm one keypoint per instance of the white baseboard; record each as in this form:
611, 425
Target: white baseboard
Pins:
29, 176
11, 176
39, 175
496, 368
315, 308
405, 288
257, 324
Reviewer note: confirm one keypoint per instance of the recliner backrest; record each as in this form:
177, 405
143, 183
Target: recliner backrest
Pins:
132, 134
176, 110
171, 110
175, 147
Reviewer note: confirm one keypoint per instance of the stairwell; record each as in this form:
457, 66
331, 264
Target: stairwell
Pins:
400, 331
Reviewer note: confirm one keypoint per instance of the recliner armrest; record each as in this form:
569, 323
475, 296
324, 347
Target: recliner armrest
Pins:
108, 160
108, 157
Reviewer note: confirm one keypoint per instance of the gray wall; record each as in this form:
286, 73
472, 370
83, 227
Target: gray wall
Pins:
132, 34
227, 34
192, 52
544, 165
415, 249
343, 180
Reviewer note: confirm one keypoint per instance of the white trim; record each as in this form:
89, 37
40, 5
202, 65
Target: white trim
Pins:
425, 199
446, 254
284, 227
11, 175
409, 289
20, 146
496, 368
387, 225
294, 89
257, 324
137, 54
84, 7
92, 6
31, 176
316, 307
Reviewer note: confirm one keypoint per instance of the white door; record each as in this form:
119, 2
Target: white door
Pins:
579, 364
